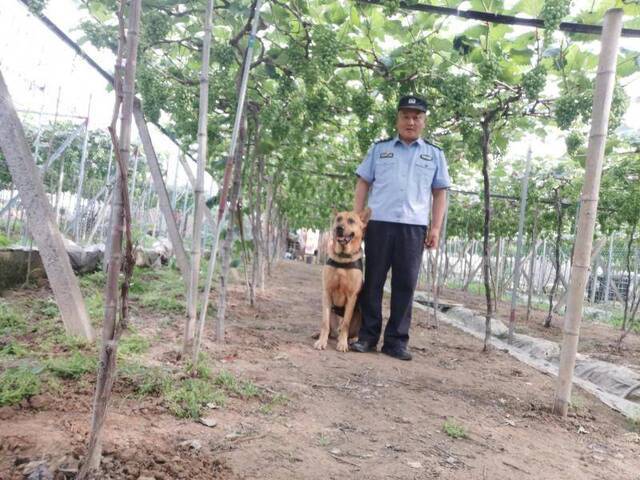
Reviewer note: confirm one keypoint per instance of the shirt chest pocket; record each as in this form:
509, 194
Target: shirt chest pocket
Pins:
385, 168
424, 170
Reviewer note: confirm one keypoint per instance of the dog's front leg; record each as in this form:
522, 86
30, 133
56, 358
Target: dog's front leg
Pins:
343, 334
321, 343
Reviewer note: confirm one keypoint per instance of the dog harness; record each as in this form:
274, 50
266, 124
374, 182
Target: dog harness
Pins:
355, 264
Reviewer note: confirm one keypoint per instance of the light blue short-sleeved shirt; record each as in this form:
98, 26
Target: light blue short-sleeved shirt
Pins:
401, 178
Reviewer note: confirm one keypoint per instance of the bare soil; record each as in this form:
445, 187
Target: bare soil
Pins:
342, 415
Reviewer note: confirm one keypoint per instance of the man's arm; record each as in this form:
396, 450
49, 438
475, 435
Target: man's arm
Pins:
437, 216
360, 197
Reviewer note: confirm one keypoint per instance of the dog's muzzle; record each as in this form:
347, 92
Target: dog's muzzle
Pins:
344, 239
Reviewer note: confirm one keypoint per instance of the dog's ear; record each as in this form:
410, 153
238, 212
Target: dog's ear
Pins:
334, 212
365, 215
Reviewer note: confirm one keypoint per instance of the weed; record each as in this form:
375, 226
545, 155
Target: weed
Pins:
323, 440
187, 399
165, 302
226, 380
244, 389
72, 367
48, 308
248, 389
202, 369
4, 240
276, 400
633, 424
145, 381
94, 281
10, 320
14, 349
18, 383
95, 307
133, 344
577, 402
454, 430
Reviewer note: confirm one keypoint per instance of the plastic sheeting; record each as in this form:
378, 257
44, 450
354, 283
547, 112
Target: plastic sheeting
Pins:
617, 386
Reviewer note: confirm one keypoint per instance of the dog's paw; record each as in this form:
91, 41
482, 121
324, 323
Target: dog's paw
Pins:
342, 346
320, 344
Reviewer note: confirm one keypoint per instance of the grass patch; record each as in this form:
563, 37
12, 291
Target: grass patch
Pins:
93, 281
243, 389
145, 381
454, 430
95, 307
4, 241
187, 399
133, 344
47, 308
616, 321
14, 349
159, 290
226, 380
11, 322
201, 369
72, 367
18, 383
279, 399
165, 302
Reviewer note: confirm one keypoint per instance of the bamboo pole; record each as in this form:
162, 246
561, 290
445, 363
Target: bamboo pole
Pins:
42, 226
516, 273
607, 282
120, 220
222, 212
83, 162
605, 80
199, 206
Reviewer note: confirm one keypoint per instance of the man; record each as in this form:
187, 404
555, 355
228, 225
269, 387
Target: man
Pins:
400, 176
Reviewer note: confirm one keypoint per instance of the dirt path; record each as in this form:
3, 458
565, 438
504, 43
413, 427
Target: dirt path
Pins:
360, 416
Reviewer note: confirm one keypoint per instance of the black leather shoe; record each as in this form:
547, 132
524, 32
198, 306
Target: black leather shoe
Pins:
363, 346
401, 353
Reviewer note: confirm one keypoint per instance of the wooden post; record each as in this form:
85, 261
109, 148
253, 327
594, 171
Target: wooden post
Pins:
605, 81
163, 197
42, 225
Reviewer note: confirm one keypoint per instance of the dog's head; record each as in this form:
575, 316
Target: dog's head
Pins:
347, 231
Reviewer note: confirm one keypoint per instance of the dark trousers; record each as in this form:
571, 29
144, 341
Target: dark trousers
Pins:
397, 246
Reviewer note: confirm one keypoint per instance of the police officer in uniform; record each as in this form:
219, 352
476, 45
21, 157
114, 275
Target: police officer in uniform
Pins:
404, 179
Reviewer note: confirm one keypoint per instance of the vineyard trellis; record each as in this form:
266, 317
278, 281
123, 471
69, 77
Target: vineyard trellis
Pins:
283, 131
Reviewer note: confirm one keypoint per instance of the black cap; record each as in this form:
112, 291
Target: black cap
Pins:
411, 101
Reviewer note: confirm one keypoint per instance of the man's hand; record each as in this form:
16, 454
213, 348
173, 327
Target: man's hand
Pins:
433, 238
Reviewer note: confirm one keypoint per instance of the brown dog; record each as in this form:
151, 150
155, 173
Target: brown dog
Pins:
342, 280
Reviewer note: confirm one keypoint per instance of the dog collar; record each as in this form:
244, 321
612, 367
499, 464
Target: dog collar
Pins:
355, 264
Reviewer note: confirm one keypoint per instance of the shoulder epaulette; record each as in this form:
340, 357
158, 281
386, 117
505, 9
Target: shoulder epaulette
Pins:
432, 144
383, 140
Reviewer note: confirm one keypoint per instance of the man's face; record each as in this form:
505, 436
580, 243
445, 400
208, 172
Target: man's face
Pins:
410, 124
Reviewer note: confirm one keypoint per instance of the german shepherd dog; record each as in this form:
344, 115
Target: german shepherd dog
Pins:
342, 280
